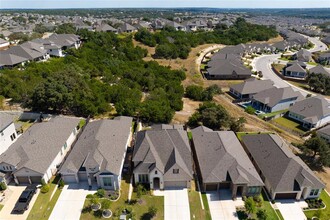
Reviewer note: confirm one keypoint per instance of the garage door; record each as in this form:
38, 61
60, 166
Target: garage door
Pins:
36, 179
224, 185
82, 177
69, 179
175, 184
286, 196
23, 179
211, 187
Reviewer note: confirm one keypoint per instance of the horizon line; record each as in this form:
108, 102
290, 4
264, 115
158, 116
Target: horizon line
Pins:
183, 7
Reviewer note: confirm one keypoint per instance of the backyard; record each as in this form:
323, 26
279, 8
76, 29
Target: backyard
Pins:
289, 124
44, 204
138, 206
323, 214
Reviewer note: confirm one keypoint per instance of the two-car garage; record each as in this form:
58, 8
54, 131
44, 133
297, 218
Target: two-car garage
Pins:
285, 196
29, 179
176, 184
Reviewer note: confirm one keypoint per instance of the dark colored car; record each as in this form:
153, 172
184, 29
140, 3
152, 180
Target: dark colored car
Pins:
24, 200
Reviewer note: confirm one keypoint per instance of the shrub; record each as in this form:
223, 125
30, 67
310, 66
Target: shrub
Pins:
258, 199
44, 188
106, 203
152, 211
90, 196
140, 190
100, 193
61, 183
250, 110
262, 214
3, 186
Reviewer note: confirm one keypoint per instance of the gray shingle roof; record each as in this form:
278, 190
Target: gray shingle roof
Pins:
278, 164
325, 130
163, 148
220, 154
102, 144
312, 108
319, 69
296, 68
274, 95
40, 144
7, 59
252, 86
5, 120
228, 67
25, 52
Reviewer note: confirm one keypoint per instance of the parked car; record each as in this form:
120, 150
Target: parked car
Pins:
24, 200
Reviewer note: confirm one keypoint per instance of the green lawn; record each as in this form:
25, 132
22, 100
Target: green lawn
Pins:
139, 206
271, 213
279, 214
203, 66
284, 59
196, 211
267, 115
292, 125
241, 134
189, 135
325, 213
43, 206
206, 206
312, 63
1, 206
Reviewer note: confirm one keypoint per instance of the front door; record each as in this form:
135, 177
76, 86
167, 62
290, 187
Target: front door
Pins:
156, 183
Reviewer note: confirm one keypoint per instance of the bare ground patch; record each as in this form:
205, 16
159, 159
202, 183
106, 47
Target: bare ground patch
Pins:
189, 107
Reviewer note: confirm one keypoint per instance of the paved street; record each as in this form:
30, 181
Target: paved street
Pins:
70, 202
222, 206
291, 209
5, 213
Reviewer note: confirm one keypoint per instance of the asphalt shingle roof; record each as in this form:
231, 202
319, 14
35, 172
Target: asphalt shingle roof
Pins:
252, 86
278, 164
220, 154
40, 144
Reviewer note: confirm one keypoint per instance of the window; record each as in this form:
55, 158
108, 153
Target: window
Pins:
65, 146
175, 171
156, 172
143, 178
253, 190
314, 192
107, 181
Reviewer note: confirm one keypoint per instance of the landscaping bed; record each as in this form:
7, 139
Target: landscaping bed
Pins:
322, 214
315, 203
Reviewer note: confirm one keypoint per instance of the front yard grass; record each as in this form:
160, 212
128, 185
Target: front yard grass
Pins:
206, 206
1, 206
292, 125
43, 206
139, 206
278, 67
196, 211
324, 214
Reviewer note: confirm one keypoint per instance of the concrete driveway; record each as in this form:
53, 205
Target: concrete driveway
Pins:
222, 206
71, 202
291, 209
176, 205
13, 193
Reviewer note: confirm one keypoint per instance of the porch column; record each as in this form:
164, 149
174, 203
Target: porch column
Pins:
16, 180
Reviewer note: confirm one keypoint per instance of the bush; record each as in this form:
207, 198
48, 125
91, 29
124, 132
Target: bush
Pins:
106, 203
258, 199
90, 196
250, 110
262, 214
61, 183
140, 190
3, 186
100, 193
152, 211
45, 188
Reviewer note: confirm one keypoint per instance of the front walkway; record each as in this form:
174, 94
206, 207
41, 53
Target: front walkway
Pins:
292, 209
71, 202
176, 205
222, 206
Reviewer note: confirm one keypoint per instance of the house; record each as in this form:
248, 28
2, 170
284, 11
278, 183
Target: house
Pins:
27, 52
295, 70
8, 134
222, 163
99, 153
285, 175
65, 41
312, 112
303, 55
3, 44
275, 99
106, 28
162, 158
127, 28
38, 152
176, 26
319, 69
8, 60
300, 63
250, 87
227, 69
324, 58
324, 133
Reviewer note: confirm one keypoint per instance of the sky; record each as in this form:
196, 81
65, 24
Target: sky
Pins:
164, 3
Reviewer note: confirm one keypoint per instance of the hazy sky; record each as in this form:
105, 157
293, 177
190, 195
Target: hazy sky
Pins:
164, 3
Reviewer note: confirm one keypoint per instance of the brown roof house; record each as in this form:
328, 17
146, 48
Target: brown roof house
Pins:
223, 164
162, 158
285, 175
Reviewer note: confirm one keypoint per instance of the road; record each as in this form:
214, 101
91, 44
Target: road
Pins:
264, 62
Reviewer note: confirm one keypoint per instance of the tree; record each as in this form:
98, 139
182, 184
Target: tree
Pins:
250, 206
152, 211
3, 186
262, 214
319, 150
61, 183
194, 92
210, 115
